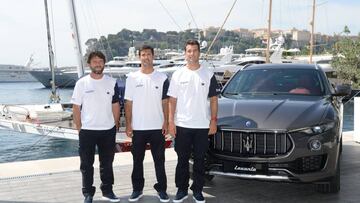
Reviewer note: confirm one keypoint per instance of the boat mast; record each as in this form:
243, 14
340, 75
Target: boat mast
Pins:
54, 98
268, 34
76, 37
312, 32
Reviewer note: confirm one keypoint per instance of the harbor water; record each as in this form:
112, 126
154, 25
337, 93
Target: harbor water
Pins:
20, 146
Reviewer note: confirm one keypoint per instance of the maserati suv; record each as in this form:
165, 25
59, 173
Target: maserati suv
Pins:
279, 122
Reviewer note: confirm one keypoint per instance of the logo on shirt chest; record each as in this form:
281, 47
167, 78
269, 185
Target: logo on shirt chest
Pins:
139, 85
89, 91
156, 87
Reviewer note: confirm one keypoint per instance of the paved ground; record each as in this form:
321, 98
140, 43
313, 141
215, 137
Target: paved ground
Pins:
65, 186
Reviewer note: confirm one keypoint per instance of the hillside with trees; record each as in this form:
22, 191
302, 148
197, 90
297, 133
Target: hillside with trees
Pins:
118, 44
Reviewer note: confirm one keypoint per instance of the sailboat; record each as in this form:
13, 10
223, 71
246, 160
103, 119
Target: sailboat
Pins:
55, 119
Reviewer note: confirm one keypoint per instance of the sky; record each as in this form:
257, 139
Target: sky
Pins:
23, 26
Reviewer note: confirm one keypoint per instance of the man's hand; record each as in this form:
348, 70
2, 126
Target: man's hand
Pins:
129, 131
165, 130
117, 126
212, 127
128, 114
77, 117
172, 128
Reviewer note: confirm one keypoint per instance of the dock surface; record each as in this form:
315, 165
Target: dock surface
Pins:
59, 180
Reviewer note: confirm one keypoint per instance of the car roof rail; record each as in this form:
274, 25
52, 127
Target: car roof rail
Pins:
247, 65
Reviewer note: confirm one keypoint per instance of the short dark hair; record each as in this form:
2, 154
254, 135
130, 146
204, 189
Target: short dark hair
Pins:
146, 47
96, 54
192, 42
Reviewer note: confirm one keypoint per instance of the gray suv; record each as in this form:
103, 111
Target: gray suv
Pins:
279, 122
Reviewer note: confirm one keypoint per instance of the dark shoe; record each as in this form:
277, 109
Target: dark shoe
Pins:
111, 197
181, 195
88, 199
135, 196
198, 197
163, 197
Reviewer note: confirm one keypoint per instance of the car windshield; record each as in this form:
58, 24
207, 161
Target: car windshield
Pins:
276, 81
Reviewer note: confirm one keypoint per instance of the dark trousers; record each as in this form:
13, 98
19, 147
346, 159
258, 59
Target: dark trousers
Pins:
157, 144
105, 142
187, 141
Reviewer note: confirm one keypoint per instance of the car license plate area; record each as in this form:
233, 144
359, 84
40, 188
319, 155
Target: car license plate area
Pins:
245, 167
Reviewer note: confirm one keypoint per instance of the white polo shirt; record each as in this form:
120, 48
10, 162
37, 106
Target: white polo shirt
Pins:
146, 91
95, 98
192, 89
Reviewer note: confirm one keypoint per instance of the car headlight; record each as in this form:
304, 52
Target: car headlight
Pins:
318, 129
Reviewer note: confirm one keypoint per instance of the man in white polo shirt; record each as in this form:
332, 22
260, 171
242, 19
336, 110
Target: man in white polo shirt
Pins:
192, 90
96, 112
146, 112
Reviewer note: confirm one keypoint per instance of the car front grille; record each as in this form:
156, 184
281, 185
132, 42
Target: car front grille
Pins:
248, 144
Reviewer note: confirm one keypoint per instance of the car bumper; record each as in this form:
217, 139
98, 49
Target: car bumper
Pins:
300, 164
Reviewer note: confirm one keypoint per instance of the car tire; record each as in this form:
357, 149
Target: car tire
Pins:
341, 145
207, 177
333, 184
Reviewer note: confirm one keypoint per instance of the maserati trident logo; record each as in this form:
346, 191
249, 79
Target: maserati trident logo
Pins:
248, 143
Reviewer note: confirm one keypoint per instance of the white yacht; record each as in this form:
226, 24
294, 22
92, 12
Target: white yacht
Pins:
15, 73
132, 66
64, 76
252, 56
118, 61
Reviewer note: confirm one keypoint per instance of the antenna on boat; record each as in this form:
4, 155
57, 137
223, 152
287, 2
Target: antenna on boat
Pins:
30, 61
54, 98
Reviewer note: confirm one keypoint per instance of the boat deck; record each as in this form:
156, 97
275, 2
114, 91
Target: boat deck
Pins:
63, 124
59, 180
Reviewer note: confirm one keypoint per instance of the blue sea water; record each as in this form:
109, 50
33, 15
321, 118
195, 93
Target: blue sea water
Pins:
16, 146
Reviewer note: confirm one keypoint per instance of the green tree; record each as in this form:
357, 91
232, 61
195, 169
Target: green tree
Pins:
346, 30
305, 50
118, 44
346, 61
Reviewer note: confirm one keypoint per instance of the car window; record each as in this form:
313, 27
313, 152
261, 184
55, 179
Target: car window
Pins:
289, 81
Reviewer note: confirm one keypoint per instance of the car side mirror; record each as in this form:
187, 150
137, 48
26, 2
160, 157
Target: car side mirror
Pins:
342, 90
